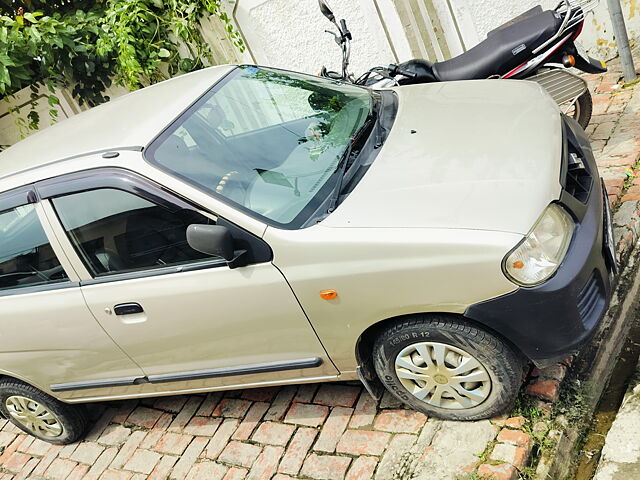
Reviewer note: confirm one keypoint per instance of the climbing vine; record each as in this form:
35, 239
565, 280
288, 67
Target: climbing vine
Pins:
88, 44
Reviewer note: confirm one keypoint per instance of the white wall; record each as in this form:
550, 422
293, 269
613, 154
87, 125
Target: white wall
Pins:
291, 34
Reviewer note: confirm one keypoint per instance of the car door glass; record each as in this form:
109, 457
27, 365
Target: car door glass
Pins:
26, 257
116, 232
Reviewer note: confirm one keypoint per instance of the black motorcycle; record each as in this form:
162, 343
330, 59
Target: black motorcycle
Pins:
539, 45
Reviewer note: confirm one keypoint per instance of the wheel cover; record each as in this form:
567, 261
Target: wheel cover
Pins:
34, 416
442, 375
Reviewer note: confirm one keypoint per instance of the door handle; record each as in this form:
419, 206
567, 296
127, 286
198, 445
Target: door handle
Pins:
127, 308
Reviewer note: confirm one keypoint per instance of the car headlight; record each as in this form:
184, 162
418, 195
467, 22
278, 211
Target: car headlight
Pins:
538, 256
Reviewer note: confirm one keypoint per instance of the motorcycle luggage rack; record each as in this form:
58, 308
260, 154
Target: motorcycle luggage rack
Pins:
574, 12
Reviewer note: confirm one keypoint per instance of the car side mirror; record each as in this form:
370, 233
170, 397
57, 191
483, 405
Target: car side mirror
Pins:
212, 240
326, 10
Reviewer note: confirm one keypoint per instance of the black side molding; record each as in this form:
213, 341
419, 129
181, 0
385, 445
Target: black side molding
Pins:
196, 375
117, 382
232, 371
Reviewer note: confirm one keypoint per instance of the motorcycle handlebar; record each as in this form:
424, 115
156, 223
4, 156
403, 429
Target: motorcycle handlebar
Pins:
396, 70
344, 30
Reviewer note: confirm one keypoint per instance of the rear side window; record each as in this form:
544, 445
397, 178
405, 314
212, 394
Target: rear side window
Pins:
116, 232
26, 257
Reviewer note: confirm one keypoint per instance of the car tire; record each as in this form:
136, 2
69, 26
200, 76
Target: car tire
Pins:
456, 350
41, 415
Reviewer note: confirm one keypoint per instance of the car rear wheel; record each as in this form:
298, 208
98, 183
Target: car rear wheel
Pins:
41, 415
448, 368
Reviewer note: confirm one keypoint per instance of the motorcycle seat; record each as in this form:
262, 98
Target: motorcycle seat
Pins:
504, 49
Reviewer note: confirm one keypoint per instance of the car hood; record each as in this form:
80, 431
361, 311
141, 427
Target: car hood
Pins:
481, 155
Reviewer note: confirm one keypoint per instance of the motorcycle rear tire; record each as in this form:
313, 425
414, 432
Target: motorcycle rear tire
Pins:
583, 109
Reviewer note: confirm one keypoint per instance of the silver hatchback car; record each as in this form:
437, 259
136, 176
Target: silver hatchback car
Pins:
243, 226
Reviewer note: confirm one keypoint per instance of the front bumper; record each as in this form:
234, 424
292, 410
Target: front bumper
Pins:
553, 320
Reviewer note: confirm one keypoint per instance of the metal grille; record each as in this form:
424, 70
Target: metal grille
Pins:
591, 301
563, 86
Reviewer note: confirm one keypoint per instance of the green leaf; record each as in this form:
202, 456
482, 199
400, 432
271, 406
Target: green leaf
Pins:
164, 53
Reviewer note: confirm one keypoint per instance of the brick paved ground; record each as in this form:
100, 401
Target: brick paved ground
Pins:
329, 431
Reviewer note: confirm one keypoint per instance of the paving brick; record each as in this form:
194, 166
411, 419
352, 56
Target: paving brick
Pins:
325, 467
87, 453
128, 449
115, 434
144, 417
232, 408
60, 469
78, 473
185, 414
297, 450
266, 464
362, 468
171, 404
271, 433
143, 461
16, 462
306, 414
498, 472
95, 470
123, 410
203, 426
400, 421
360, 442
365, 411
188, 458
99, 426
260, 394
305, 393
6, 438
207, 471
173, 443
220, 439
155, 434
515, 437
333, 429
545, 389
398, 448
38, 447
251, 420
115, 475
45, 461
209, 404
235, 473
337, 395
25, 472
238, 453
162, 469
280, 404
516, 456
516, 422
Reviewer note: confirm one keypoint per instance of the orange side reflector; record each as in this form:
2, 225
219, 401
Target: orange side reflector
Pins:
518, 264
328, 294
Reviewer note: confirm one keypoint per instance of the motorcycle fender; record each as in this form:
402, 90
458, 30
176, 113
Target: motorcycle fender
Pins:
590, 65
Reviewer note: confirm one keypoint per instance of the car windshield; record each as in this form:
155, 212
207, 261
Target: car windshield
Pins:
269, 141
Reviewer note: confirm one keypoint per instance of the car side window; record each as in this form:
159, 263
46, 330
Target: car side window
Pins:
26, 257
116, 232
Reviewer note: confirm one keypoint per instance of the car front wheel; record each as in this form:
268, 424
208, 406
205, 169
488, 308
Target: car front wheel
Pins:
448, 368
41, 415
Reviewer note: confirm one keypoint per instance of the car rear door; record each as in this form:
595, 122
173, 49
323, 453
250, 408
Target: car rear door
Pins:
189, 320
48, 336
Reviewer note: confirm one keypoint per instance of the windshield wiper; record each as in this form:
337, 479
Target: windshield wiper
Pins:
343, 165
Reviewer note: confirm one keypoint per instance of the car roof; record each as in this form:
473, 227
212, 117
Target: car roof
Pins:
132, 120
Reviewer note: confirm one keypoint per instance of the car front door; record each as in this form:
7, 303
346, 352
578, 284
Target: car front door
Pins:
47, 336
188, 319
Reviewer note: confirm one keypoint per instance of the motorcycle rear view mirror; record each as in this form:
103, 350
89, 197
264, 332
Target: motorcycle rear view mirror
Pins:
326, 10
